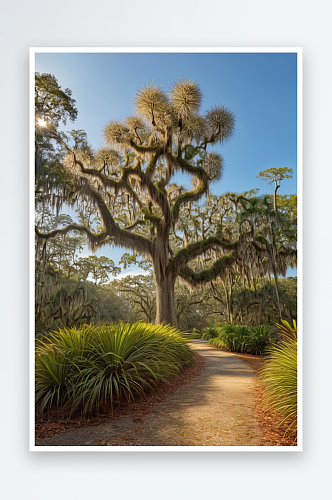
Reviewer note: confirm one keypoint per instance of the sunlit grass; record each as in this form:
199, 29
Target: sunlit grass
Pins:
105, 365
278, 377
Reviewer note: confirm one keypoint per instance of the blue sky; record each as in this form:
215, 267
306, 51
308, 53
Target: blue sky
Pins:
260, 88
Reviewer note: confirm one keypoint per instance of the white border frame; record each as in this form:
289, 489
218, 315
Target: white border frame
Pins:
299, 52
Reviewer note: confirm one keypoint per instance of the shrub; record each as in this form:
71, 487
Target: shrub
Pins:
278, 377
104, 365
239, 338
234, 337
191, 336
217, 343
57, 360
259, 340
210, 332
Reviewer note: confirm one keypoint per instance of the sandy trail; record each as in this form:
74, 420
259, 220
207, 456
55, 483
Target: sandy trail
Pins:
216, 408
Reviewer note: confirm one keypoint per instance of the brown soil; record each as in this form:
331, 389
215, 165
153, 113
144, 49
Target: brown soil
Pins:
56, 422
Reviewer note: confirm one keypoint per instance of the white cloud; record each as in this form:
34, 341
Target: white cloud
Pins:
130, 273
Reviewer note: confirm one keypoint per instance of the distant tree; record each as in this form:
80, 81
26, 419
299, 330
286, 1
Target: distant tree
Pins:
98, 268
276, 175
191, 310
63, 295
140, 291
276, 237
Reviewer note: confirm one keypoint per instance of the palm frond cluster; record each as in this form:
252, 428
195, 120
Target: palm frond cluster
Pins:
93, 367
278, 378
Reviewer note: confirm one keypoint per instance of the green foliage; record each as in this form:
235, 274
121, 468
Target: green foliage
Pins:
98, 366
238, 338
52, 103
210, 332
275, 174
259, 340
278, 377
99, 268
287, 331
191, 335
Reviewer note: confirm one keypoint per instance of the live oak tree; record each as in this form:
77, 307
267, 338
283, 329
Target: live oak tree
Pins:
129, 182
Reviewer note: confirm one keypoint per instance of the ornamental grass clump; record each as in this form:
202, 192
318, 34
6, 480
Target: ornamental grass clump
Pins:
98, 366
232, 338
57, 361
259, 340
278, 377
244, 339
210, 332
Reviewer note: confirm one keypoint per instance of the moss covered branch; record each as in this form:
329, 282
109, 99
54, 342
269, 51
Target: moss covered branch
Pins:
193, 250
121, 237
217, 270
195, 194
94, 238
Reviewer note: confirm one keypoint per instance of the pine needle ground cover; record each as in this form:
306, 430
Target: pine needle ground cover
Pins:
89, 368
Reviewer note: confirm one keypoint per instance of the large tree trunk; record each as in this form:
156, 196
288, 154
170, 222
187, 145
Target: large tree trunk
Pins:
165, 304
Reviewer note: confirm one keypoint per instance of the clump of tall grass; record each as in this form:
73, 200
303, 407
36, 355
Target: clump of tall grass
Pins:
94, 366
278, 376
243, 339
210, 332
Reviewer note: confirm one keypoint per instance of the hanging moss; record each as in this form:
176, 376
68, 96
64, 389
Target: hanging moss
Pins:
218, 269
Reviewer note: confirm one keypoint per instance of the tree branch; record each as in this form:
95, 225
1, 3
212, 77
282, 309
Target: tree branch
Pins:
218, 269
94, 238
195, 194
193, 250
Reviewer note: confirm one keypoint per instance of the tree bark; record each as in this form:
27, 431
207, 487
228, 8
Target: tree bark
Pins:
165, 304
277, 186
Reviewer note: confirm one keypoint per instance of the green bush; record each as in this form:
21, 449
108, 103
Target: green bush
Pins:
259, 340
104, 365
191, 336
243, 339
210, 332
195, 334
278, 377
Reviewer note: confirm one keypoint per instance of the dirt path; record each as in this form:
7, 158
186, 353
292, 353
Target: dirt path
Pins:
217, 408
